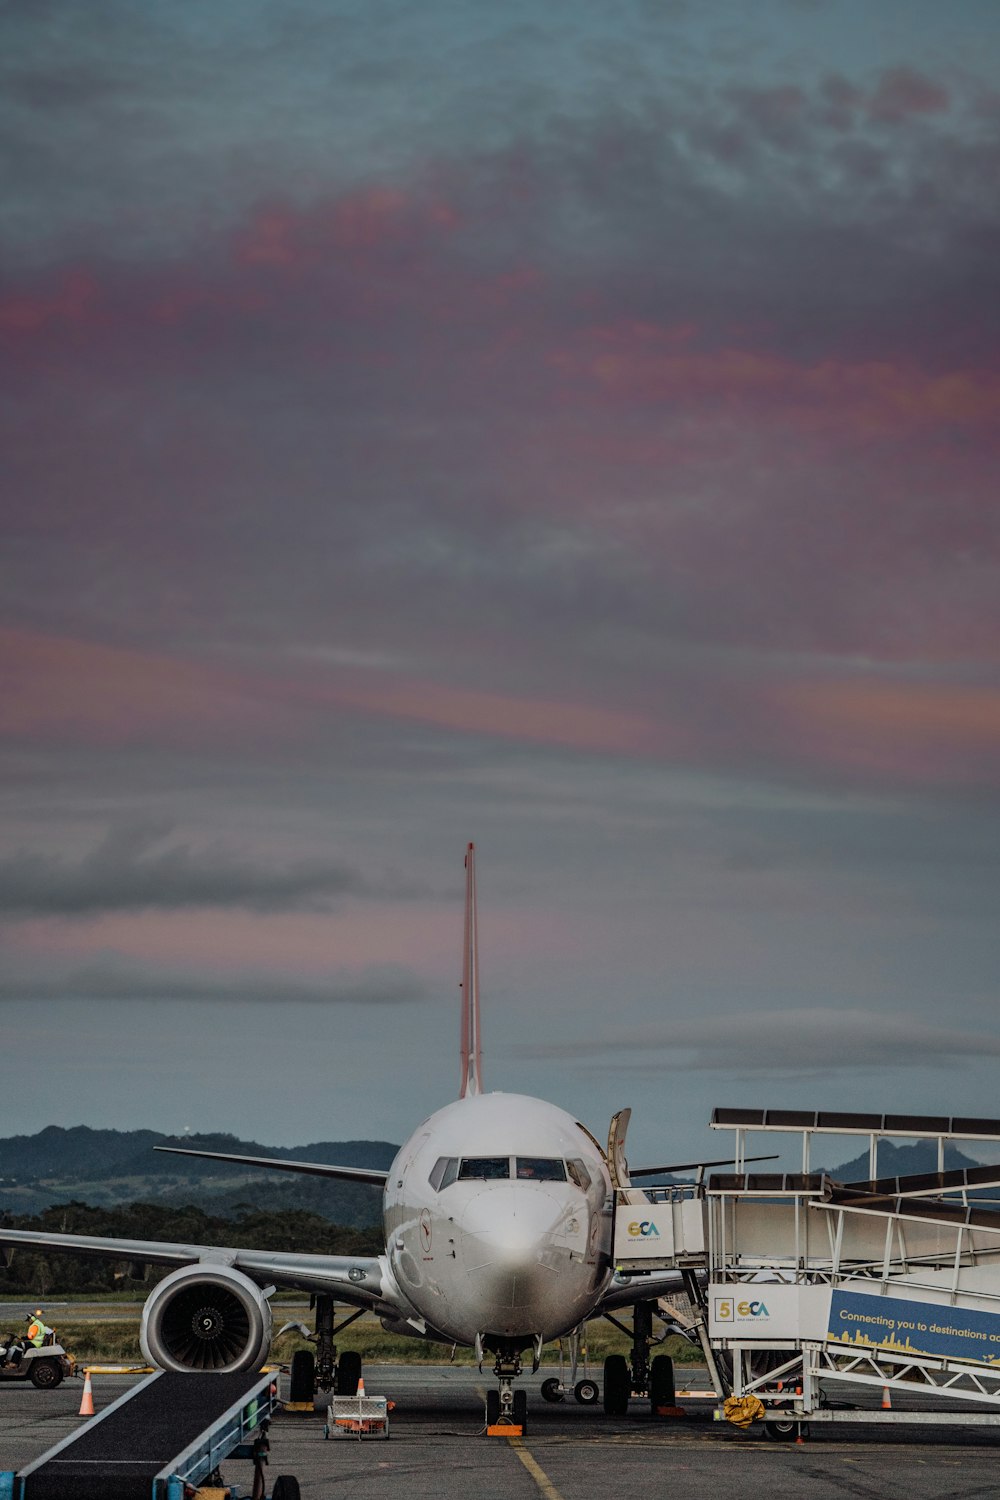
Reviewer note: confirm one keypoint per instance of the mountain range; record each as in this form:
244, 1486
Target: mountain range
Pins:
108, 1167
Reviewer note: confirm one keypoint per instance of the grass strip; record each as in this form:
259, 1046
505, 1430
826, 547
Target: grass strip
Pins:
119, 1341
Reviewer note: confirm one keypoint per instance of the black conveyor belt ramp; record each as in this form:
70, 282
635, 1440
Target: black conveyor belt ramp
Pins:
118, 1454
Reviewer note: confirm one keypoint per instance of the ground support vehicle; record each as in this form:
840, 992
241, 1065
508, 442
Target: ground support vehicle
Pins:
46, 1367
805, 1286
357, 1416
199, 1419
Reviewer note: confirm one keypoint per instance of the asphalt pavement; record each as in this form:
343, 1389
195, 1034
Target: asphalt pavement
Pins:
437, 1448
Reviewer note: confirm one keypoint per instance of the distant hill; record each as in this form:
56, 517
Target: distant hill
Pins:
901, 1161
106, 1167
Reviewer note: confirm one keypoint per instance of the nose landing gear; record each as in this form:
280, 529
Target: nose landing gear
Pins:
507, 1409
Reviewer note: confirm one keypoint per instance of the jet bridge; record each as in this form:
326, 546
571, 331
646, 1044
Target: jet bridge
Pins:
806, 1285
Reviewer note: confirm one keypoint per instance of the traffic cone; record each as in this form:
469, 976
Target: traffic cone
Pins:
87, 1404
886, 1399
361, 1385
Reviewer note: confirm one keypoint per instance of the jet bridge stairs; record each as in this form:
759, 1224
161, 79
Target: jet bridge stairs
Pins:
806, 1289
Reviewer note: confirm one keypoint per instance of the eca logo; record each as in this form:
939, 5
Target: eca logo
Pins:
645, 1227
727, 1311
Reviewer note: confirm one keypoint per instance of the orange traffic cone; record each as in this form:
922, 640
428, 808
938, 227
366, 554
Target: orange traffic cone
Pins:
886, 1399
87, 1404
361, 1385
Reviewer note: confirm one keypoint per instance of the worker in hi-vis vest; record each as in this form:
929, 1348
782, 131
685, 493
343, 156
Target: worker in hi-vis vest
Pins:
38, 1331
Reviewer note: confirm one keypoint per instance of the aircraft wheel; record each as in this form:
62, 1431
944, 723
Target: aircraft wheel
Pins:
587, 1392
785, 1432
302, 1384
286, 1487
348, 1373
492, 1408
552, 1390
45, 1374
520, 1412
617, 1385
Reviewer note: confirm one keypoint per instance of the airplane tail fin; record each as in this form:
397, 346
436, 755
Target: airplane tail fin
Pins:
472, 1062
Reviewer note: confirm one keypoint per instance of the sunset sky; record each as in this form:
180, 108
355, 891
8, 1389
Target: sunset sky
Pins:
568, 426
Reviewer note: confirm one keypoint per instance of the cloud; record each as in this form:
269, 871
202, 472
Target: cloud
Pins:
916, 729
903, 92
111, 978
821, 1041
531, 419
128, 872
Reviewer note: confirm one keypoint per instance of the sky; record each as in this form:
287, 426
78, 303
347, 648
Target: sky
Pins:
568, 427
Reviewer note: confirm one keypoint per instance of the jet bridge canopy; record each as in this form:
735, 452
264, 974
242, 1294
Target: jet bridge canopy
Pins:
957, 1127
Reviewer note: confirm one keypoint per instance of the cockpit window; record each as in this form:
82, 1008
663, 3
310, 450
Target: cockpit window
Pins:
578, 1173
444, 1172
541, 1168
487, 1168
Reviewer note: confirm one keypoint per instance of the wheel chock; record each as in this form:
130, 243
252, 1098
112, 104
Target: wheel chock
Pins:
505, 1429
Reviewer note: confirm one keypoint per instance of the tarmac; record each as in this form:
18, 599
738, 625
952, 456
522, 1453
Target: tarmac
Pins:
438, 1449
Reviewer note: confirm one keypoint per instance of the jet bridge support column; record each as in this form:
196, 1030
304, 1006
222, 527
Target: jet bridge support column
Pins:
696, 1295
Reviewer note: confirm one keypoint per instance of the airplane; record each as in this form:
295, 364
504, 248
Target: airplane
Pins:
498, 1218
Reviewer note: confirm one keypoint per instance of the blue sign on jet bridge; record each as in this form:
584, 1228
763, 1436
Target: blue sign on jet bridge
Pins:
914, 1327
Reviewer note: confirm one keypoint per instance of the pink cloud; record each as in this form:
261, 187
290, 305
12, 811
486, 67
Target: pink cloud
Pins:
916, 731
227, 942
71, 299
60, 690
630, 362
902, 92
369, 221
581, 726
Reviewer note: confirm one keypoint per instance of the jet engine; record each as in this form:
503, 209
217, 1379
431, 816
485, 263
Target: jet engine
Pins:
206, 1317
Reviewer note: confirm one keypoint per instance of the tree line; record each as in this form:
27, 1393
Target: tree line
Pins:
45, 1273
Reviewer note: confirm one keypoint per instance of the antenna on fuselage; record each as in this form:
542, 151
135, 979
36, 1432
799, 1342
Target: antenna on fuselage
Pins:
472, 1060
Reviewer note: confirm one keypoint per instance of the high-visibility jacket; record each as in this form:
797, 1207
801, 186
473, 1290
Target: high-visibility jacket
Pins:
37, 1332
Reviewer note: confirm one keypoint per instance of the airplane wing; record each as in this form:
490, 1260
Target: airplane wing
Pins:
677, 1166
360, 1280
371, 1175
648, 1287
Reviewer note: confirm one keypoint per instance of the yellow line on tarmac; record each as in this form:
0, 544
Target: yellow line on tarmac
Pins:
537, 1473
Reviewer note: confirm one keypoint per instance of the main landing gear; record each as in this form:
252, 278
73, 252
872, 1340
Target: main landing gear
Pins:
640, 1375
322, 1370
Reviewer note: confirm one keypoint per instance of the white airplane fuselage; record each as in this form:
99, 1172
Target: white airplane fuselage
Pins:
497, 1221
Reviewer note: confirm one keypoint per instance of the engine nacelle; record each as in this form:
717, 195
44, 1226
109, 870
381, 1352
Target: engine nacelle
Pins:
206, 1317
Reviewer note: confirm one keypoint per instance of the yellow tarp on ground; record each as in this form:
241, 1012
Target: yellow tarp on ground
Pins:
742, 1411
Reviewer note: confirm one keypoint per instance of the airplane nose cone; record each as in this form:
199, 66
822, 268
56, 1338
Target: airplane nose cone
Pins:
513, 1245
510, 1223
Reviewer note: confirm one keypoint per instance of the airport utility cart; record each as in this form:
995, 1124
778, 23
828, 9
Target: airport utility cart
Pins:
804, 1287
357, 1416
